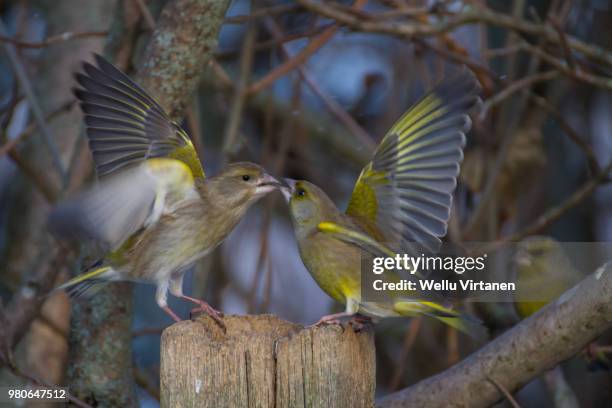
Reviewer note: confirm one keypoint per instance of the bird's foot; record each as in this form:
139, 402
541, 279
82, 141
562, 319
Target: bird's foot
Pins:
329, 320
359, 322
215, 314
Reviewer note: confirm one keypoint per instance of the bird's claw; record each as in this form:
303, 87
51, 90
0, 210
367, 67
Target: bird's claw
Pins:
323, 321
215, 314
359, 323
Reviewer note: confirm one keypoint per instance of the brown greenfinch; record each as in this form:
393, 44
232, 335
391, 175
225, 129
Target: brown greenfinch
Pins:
153, 212
403, 196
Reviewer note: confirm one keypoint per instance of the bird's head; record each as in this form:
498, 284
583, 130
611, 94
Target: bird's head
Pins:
537, 250
242, 183
308, 204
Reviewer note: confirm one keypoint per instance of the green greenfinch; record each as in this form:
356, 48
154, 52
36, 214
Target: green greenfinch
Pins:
153, 212
543, 273
403, 196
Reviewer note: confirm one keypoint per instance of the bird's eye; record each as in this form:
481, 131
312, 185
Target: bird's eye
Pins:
300, 192
246, 177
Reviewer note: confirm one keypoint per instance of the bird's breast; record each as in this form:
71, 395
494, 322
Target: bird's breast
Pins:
334, 265
178, 240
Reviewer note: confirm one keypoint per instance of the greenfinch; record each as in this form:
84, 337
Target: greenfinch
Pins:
403, 196
153, 212
543, 273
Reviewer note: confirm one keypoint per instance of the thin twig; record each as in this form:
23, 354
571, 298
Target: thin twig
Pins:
28, 90
38, 179
221, 76
280, 71
264, 12
462, 59
27, 132
148, 331
409, 339
555, 213
568, 130
516, 86
334, 107
313, 46
472, 15
488, 193
411, 12
240, 92
264, 45
146, 14
564, 45
504, 391
577, 73
501, 52
143, 381
68, 35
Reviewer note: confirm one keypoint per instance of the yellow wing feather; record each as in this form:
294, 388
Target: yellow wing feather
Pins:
404, 194
125, 125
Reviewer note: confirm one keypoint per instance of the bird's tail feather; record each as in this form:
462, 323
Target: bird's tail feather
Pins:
88, 283
467, 324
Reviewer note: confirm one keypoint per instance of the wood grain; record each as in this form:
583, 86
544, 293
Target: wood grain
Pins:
263, 361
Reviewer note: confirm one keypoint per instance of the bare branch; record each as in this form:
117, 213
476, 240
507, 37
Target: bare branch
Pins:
25, 304
472, 15
313, 46
26, 85
555, 213
554, 334
68, 35
240, 92
27, 132
146, 14
334, 107
264, 12
516, 86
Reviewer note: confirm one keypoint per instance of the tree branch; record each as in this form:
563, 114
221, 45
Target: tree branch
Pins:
472, 15
554, 334
182, 45
555, 213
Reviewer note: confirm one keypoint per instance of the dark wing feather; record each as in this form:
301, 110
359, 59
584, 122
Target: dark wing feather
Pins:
125, 125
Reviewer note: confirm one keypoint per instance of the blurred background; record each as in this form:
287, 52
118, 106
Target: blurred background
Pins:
537, 159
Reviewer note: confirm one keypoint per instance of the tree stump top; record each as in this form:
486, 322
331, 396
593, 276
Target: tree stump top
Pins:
264, 361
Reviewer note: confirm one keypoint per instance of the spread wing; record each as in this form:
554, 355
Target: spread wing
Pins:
111, 211
125, 125
404, 195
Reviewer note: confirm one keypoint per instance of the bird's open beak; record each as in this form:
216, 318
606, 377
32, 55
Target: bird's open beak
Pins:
288, 188
268, 180
267, 184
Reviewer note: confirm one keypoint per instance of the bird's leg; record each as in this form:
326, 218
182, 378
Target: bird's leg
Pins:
331, 319
171, 313
176, 288
359, 322
161, 296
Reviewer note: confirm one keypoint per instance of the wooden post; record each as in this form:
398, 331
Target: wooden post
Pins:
263, 361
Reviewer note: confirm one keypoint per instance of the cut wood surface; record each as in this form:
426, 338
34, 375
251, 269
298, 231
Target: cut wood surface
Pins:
263, 361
